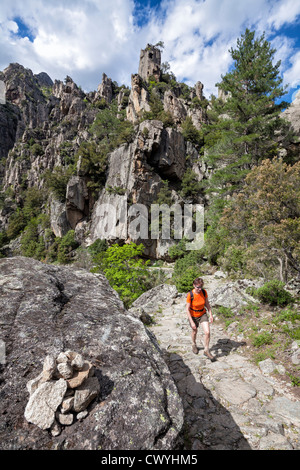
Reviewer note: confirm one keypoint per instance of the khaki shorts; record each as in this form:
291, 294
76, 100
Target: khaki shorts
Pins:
198, 320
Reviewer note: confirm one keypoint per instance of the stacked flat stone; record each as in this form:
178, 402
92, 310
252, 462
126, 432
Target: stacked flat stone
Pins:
61, 393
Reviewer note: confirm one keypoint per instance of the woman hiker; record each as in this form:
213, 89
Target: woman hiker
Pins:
196, 305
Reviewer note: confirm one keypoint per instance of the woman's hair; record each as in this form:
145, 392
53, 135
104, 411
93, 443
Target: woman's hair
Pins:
198, 281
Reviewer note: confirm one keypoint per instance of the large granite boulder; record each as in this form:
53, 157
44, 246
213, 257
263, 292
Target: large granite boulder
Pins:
46, 309
162, 295
234, 295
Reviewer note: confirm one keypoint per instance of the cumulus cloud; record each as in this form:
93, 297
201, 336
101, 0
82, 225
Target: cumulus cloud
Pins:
198, 34
80, 38
85, 38
292, 75
283, 12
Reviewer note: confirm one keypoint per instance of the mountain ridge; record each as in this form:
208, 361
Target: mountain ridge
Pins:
78, 151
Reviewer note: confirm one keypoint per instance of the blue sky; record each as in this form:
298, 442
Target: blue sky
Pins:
85, 38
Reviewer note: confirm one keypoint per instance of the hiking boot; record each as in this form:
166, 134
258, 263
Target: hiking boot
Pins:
207, 354
195, 349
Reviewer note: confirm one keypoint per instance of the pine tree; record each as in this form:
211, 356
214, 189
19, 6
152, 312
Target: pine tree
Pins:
245, 121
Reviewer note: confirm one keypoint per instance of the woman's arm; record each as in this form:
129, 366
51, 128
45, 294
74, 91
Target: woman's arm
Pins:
188, 306
207, 305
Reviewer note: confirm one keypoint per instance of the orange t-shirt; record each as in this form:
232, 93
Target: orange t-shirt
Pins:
198, 303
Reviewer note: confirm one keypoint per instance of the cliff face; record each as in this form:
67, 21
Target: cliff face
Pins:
45, 116
47, 132
84, 152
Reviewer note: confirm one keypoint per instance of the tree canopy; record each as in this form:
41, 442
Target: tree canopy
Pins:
245, 120
263, 220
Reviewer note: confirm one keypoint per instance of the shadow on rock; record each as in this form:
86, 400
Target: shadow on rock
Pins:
207, 424
106, 385
223, 347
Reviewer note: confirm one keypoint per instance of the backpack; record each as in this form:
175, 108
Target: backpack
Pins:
192, 294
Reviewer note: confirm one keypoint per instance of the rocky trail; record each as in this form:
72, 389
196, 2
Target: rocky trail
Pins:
57, 321
229, 404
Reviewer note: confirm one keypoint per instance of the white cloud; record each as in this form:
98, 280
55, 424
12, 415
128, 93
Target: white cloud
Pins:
79, 38
12, 26
292, 75
85, 38
283, 11
198, 34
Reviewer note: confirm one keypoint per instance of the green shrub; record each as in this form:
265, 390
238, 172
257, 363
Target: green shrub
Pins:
108, 133
3, 239
293, 333
166, 118
16, 224
125, 270
116, 190
125, 133
190, 186
294, 380
57, 181
34, 238
288, 314
179, 250
99, 246
191, 259
109, 127
225, 312
233, 259
101, 104
34, 200
29, 239
37, 150
190, 132
262, 339
164, 195
157, 109
273, 293
66, 152
184, 283
65, 245
93, 158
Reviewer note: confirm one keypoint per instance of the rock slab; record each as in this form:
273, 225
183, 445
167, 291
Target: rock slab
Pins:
44, 402
46, 309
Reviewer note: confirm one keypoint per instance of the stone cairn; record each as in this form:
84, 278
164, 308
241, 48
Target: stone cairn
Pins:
61, 393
